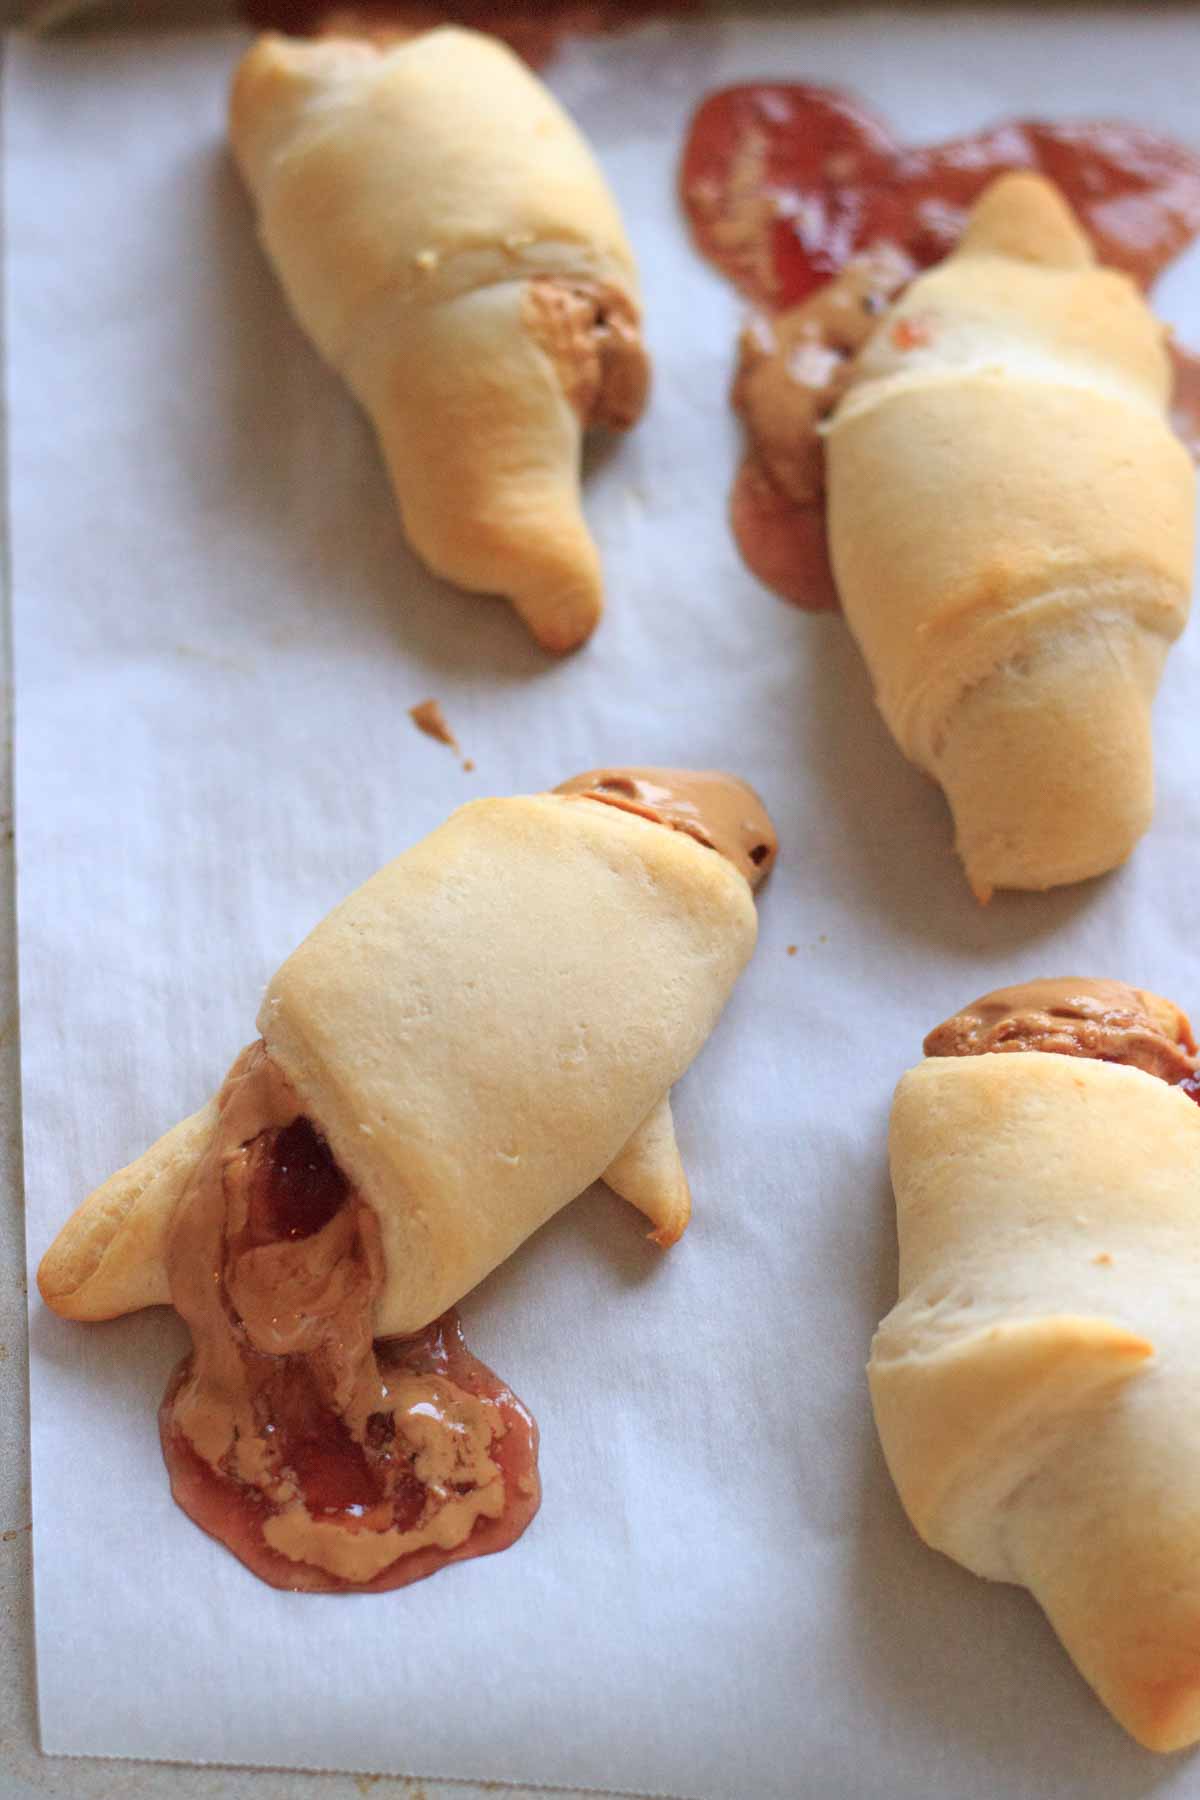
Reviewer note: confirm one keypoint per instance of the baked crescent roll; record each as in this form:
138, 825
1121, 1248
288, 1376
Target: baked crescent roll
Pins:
1011, 528
490, 1024
446, 239
1035, 1386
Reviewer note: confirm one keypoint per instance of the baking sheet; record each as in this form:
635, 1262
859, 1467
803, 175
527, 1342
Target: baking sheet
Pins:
218, 631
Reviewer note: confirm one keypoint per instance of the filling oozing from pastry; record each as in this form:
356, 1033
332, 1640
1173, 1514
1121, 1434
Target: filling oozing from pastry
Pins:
798, 192
593, 337
324, 1460
793, 368
715, 809
1104, 1020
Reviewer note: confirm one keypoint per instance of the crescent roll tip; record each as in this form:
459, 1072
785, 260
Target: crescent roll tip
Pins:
110, 1256
1023, 216
649, 1173
1047, 763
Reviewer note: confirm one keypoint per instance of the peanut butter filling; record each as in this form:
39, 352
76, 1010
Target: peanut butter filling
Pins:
1105, 1020
593, 336
715, 809
323, 1459
794, 367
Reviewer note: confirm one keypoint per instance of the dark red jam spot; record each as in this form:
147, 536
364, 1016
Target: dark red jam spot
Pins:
814, 151
300, 1187
782, 541
381, 1431
1191, 1087
330, 1469
834, 180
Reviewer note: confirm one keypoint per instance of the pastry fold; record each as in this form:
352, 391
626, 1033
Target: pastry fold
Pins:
487, 1026
1011, 528
445, 237
1034, 1387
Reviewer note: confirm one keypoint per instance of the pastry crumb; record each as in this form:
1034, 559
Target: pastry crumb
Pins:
1104, 1259
792, 948
428, 717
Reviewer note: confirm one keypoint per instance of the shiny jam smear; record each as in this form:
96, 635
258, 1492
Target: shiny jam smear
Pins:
535, 29
337, 1464
786, 186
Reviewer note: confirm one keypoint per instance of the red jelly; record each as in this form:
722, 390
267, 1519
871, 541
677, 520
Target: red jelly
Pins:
301, 1186
811, 178
338, 1484
782, 540
327, 1462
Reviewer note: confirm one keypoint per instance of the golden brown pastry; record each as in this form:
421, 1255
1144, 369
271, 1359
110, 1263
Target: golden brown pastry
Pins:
1011, 527
489, 1025
483, 1030
493, 1022
446, 239
1035, 1385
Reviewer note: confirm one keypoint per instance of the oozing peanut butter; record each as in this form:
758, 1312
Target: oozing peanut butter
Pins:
592, 335
1105, 1020
794, 367
343, 1458
716, 809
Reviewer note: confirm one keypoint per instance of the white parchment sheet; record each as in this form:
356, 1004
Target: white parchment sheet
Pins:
218, 633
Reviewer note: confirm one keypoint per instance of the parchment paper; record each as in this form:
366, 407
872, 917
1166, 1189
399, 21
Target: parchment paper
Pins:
218, 633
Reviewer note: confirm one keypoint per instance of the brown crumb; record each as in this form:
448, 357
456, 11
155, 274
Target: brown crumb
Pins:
792, 948
1104, 1259
428, 717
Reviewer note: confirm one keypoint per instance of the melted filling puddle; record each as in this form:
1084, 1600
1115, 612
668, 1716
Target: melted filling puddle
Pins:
326, 1461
